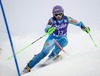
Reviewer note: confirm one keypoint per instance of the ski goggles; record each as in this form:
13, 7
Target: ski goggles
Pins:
60, 14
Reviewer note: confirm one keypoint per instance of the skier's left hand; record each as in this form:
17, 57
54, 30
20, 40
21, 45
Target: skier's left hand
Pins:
86, 29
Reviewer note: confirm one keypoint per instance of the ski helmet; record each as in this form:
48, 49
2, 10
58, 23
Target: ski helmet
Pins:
57, 9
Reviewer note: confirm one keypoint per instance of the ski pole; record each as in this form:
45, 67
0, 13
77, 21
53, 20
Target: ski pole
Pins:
88, 31
27, 46
50, 31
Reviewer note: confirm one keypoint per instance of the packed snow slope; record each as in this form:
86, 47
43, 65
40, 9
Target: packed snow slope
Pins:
27, 20
83, 59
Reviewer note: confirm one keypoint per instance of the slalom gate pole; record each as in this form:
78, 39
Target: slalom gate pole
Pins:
10, 39
60, 46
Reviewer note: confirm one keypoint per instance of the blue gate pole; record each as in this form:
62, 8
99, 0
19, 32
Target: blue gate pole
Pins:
10, 39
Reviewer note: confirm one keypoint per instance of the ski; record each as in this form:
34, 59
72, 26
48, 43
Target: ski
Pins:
51, 61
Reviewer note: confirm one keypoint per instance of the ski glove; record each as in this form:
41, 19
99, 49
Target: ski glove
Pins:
51, 30
86, 29
47, 28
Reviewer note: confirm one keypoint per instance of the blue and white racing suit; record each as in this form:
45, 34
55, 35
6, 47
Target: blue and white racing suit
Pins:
60, 35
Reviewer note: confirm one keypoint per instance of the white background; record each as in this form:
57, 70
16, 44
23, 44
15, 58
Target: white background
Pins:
27, 20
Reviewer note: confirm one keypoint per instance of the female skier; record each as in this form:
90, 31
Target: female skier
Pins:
60, 22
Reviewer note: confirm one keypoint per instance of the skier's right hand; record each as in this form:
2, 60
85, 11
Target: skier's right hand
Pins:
86, 29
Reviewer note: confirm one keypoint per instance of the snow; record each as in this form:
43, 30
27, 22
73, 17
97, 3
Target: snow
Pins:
83, 62
26, 25
83, 59
80, 65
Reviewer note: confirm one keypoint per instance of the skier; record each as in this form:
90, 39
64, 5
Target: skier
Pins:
60, 22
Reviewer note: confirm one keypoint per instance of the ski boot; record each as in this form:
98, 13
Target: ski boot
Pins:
58, 58
27, 68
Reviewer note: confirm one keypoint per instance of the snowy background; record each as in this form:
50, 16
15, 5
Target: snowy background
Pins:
27, 20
